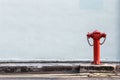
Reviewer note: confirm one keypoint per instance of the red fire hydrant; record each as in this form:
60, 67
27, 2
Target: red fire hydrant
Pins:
96, 36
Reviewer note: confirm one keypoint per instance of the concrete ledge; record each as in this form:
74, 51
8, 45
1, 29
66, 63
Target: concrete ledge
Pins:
53, 61
58, 68
97, 68
61, 69
44, 69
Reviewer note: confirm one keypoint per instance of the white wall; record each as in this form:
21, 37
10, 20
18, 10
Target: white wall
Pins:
56, 29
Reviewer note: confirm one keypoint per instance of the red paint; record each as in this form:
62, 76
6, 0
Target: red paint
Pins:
96, 36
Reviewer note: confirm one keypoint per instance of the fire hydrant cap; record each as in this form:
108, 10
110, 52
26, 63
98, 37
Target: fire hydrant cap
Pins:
96, 31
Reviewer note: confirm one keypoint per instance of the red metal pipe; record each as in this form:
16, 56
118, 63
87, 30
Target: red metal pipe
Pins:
96, 51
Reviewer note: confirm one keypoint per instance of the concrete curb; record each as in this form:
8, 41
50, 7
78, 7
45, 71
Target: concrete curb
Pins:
59, 68
98, 69
44, 69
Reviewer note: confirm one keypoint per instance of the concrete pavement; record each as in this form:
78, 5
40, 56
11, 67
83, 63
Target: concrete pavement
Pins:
59, 79
73, 75
78, 76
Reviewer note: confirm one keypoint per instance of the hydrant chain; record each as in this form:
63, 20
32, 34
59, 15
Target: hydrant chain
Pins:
103, 41
100, 43
89, 42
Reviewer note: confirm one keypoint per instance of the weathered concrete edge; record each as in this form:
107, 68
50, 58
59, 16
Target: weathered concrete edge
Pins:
98, 69
35, 69
60, 69
53, 61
